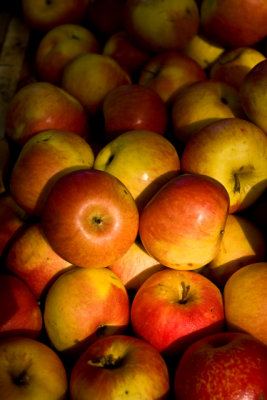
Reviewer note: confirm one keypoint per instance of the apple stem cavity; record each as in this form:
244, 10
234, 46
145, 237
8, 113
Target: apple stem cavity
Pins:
185, 291
108, 361
21, 379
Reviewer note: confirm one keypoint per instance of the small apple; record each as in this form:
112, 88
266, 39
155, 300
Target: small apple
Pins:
225, 365
40, 106
245, 300
142, 160
120, 367
168, 72
91, 211
30, 369
233, 151
174, 308
82, 305
59, 46
42, 160
20, 314
183, 224
133, 107
89, 77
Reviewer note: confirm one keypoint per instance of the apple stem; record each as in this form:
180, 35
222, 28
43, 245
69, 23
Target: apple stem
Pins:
237, 184
108, 361
185, 291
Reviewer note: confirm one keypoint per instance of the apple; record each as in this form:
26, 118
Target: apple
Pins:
245, 300
253, 95
31, 258
120, 366
44, 15
199, 104
244, 25
174, 308
30, 369
82, 305
233, 151
130, 56
169, 71
233, 65
142, 160
225, 365
59, 46
92, 211
42, 160
98, 72
40, 106
133, 107
161, 25
183, 223
243, 243
20, 314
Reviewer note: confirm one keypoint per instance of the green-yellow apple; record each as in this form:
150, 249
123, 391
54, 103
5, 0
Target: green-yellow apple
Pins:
44, 15
120, 367
142, 160
31, 258
20, 314
234, 23
82, 305
89, 77
133, 107
253, 94
40, 106
42, 160
169, 71
199, 104
174, 308
233, 151
59, 46
30, 369
234, 64
225, 365
91, 211
161, 25
183, 224
243, 243
245, 300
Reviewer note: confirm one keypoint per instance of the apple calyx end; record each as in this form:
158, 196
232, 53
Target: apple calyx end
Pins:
107, 361
185, 291
21, 379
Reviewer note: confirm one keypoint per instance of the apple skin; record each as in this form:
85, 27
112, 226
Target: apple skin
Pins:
43, 16
31, 258
42, 160
242, 243
59, 46
133, 107
91, 211
142, 160
233, 151
168, 72
82, 305
183, 224
245, 25
98, 72
225, 365
120, 366
174, 308
245, 300
30, 369
201, 103
161, 25
21, 315
40, 106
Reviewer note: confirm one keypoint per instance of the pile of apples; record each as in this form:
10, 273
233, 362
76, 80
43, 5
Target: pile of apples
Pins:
133, 203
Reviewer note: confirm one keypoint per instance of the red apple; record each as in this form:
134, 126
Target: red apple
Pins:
174, 308
225, 365
20, 314
41, 106
133, 107
117, 367
183, 224
94, 212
